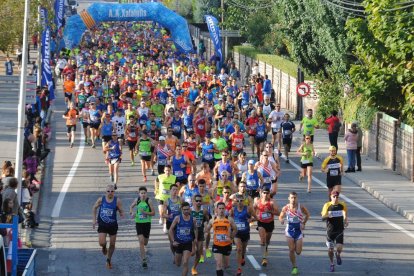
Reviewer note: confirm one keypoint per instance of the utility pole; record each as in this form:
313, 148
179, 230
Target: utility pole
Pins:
39, 48
22, 103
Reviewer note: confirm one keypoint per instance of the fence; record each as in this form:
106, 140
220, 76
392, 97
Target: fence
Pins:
391, 143
283, 84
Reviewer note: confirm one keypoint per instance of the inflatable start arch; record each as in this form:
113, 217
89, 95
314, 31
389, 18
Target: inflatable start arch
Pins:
103, 12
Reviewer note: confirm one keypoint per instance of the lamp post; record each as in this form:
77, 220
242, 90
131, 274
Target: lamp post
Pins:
22, 103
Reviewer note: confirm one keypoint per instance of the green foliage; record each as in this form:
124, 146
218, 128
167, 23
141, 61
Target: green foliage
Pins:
281, 63
330, 94
355, 109
384, 45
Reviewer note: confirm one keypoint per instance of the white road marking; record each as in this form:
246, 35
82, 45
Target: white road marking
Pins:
362, 208
254, 263
68, 180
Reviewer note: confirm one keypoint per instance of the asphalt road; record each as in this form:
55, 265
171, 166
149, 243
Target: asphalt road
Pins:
378, 241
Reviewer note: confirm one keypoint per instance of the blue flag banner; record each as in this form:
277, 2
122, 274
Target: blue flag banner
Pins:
46, 70
214, 30
77, 24
59, 13
43, 18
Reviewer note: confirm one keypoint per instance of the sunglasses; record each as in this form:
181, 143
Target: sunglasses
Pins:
265, 155
198, 201
226, 192
192, 180
110, 191
265, 193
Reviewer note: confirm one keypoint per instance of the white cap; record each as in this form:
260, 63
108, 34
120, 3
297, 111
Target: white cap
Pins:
162, 138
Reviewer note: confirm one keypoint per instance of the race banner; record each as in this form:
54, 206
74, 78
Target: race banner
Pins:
214, 30
59, 13
43, 18
46, 70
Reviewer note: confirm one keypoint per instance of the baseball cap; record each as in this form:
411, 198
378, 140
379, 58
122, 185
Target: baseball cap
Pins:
336, 193
332, 148
208, 135
266, 189
162, 138
252, 162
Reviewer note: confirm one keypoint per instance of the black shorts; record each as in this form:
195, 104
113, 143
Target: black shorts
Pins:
224, 250
258, 141
332, 181
304, 166
177, 134
152, 149
106, 138
132, 144
181, 247
95, 125
235, 153
268, 226
161, 169
109, 229
120, 136
71, 128
253, 193
333, 238
210, 163
69, 96
183, 181
146, 158
168, 224
85, 124
275, 130
287, 142
200, 234
244, 237
143, 229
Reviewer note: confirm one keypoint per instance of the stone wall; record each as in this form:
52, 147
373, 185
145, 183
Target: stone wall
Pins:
391, 143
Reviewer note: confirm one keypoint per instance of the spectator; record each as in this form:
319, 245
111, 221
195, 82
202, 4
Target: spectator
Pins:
351, 140
246, 73
31, 163
9, 66
359, 147
334, 125
10, 193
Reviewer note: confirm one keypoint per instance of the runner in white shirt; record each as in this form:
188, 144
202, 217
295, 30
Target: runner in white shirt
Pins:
275, 118
119, 122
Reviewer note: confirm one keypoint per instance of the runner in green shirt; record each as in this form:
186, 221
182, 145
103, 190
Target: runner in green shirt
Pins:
309, 124
220, 143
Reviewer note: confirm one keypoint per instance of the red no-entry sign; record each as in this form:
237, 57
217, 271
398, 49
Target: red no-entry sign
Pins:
303, 89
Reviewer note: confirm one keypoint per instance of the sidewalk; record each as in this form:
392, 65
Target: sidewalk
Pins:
392, 189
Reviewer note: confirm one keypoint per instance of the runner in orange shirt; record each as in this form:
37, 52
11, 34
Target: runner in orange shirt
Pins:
68, 89
71, 116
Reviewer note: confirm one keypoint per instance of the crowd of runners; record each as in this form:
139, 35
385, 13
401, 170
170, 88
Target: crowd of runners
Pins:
203, 132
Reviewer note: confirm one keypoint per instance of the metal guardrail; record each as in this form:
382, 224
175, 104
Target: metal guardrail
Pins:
30, 269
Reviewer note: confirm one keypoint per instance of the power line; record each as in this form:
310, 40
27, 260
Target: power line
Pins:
408, 5
349, 11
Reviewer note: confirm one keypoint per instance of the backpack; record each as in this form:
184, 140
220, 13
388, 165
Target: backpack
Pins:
337, 126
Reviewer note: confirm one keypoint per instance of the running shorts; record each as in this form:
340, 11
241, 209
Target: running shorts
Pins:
268, 226
224, 250
109, 229
143, 229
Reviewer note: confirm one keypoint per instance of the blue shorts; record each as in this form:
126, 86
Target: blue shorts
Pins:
294, 233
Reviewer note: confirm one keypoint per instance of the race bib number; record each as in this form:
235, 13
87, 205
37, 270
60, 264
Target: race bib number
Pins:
241, 226
221, 237
251, 183
178, 173
184, 232
189, 129
305, 161
239, 146
287, 132
73, 121
142, 122
142, 216
260, 133
333, 173
177, 129
107, 212
162, 161
267, 179
132, 134
144, 153
266, 215
208, 156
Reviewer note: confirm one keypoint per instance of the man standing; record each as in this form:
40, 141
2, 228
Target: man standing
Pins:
246, 73
267, 88
107, 221
9, 66
335, 214
334, 125
182, 234
224, 231
143, 216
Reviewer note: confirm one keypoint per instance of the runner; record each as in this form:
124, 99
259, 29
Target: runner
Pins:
335, 214
171, 209
265, 209
241, 167
119, 122
224, 165
205, 174
162, 187
68, 89
183, 232
145, 211
179, 164
113, 158
307, 151
269, 172
223, 182
94, 122
333, 166
201, 216
106, 129
188, 191
309, 124
131, 134
237, 142
253, 180
275, 118
220, 143
144, 147
243, 215
163, 155
260, 136
296, 217
206, 151
71, 116
84, 115
287, 127
224, 231
106, 219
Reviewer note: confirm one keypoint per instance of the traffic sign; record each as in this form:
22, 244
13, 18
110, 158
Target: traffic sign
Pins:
303, 89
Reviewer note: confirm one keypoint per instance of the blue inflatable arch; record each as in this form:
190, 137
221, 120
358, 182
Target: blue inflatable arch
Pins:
104, 12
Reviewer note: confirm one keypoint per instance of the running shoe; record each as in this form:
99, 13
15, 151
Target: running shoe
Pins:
332, 268
208, 253
160, 221
164, 229
239, 272
104, 250
145, 178
287, 161
280, 153
201, 259
264, 262
295, 271
152, 172
338, 258
115, 187
93, 146
300, 177
108, 264
71, 145
194, 271
243, 262
132, 163
144, 263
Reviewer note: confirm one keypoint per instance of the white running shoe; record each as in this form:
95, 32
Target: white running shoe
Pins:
160, 221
